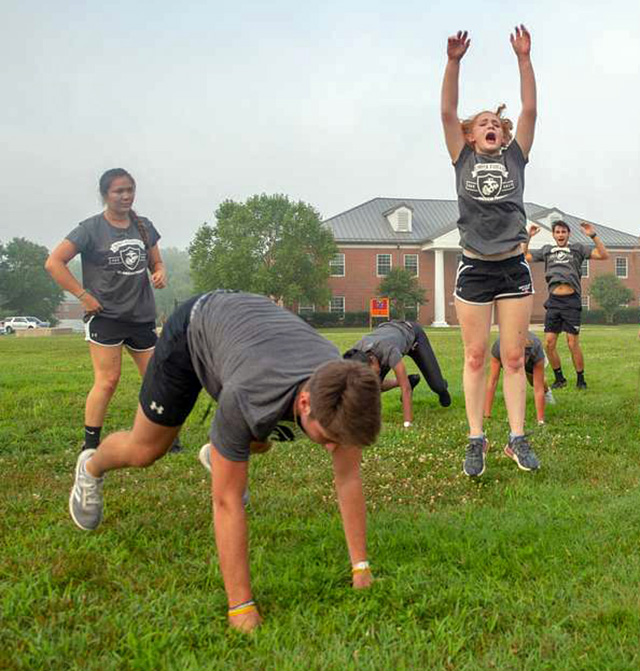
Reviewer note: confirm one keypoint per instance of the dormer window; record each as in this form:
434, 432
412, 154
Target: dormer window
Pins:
400, 219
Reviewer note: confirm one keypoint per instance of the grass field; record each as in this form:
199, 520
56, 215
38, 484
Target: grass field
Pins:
514, 571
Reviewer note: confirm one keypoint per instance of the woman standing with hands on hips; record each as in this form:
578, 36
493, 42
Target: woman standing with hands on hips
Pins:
489, 168
120, 263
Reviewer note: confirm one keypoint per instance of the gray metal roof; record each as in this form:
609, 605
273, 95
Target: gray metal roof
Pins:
367, 224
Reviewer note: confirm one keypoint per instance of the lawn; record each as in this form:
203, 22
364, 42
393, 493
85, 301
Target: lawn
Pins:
513, 571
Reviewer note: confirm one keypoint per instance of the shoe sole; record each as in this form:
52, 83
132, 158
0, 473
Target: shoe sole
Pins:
484, 462
202, 456
73, 517
512, 455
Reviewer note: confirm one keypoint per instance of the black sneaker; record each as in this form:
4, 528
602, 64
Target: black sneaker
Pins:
475, 457
581, 384
520, 451
559, 384
414, 381
445, 398
176, 446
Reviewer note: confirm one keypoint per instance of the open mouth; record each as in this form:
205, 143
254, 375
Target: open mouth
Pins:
491, 136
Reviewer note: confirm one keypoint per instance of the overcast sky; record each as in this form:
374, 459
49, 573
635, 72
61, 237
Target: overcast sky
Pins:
333, 103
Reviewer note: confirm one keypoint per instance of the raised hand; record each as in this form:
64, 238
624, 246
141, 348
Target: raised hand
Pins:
521, 41
588, 229
457, 45
534, 230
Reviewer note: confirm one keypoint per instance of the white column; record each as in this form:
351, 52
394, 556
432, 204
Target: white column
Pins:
438, 290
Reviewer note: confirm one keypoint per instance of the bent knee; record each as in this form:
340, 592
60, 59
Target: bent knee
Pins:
142, 455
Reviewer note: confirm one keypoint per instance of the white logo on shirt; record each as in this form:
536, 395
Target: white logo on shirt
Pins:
129, 253
490, 182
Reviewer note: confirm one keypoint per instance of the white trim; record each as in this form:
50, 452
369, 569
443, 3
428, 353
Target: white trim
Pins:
586, 306
584, 277
626, 267
378, 264
462, 300
133, 349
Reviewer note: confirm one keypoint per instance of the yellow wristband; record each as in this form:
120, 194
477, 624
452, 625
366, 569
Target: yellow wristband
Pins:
360, 567
243, 608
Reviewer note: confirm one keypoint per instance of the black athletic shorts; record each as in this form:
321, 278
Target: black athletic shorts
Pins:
170, 387
136, 336
482, 282
564, 313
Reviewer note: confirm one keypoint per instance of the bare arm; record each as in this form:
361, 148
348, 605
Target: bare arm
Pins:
228, 482
533, 230
158, 270
600, 253
538, 389
457, 46
348, 481
521, 43
57, 266
402, 378
492, 385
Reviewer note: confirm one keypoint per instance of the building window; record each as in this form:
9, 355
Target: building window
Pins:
383, 264
306, 309
411, 264
621, 266
337, 304
586, 302
584, 268
336, 266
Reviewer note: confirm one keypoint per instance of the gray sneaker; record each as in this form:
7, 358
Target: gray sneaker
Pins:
548, 397
85, 501
205, 459
475, 457
520, 451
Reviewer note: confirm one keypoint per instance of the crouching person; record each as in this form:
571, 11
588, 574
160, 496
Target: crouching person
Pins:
272, 376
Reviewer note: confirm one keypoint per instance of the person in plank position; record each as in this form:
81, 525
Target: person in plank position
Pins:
271, 375
534, 363
562, 264
383, 350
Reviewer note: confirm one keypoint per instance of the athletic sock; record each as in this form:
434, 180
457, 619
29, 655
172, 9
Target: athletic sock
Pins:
478, 437
558, 373
580, 374
91, 437
514, 435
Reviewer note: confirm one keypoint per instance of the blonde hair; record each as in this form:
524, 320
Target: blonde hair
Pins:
507, 124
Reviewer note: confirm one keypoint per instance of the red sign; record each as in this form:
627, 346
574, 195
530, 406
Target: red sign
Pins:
379, 307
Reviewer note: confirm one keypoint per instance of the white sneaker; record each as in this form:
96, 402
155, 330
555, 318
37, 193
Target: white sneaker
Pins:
85, 501
548, 398
205, 459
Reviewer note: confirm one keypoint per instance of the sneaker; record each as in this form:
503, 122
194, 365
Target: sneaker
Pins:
205, 459
559, 384
548, 397
445, 398
414, 381
581, 384
85, 501
520, 451
176, 446
475, 457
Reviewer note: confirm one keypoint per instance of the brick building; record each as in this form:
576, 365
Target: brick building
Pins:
422, 236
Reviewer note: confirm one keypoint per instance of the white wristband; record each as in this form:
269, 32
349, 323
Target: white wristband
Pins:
407, 425
360, 566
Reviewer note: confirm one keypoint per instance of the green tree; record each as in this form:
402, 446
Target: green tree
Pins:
26, 287
179, 285
267, 245
403, 289
610, 293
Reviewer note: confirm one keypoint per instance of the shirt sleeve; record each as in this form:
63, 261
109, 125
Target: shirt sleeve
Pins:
538, 352
230, 434
80, 237
154, 236
391, 356
538, 254
515, 151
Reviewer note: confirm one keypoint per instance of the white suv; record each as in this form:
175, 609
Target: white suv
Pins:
12, 324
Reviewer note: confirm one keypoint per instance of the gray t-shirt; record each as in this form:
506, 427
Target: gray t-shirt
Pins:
533, 351
389, 343
490, 199
562, 264
114, 267
252, 356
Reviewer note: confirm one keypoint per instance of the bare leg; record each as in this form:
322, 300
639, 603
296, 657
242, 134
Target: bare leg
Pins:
475, 322
551, 342
576, 351
141, 359
140, 447
513, 318
107, 363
